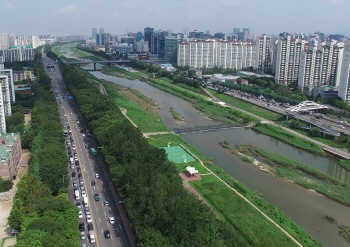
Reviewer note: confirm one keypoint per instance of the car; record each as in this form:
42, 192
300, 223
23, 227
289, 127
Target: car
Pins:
90, 227
79, 175
88, 219
82, 236
107, 234
80, 214
82, 187
68, 142
68, 148
75, 184
87, 211
73, 147
78, 169
81, 227
97, 197
72, 167
78, 204
83, 134
97, 175
83, 193
106, 203
73, 174
77, 163
76, 158
93, 183
111, 220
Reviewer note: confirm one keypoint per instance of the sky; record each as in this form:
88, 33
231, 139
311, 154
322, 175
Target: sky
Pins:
23, 17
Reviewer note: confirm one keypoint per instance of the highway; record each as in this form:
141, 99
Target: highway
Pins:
90, 165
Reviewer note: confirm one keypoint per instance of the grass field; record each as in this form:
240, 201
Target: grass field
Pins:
248, 221
145, 121
257, 110
129, 75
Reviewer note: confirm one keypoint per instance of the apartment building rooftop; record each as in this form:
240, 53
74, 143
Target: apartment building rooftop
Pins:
7, 142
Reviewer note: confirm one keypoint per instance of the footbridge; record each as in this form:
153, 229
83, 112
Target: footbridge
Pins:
108, 62
197, 129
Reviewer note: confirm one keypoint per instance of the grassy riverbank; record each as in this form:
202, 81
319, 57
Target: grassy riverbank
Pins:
257, 110
316, 180
120, 72
278, 216
176, 115
142, 112
288, 137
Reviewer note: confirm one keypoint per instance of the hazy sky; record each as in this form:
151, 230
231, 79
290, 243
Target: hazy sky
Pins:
25, 17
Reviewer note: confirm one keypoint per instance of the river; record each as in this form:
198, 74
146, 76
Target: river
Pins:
306, 208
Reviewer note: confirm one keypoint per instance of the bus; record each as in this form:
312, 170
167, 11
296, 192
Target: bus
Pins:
93, 152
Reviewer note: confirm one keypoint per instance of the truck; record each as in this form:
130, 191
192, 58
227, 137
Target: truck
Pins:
93, 151
92, 236
76, 193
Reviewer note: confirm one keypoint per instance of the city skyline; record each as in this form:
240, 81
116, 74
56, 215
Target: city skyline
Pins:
269, 16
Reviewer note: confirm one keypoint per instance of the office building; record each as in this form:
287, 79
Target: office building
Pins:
200, 54
219, 36
108, 43
171, 50
124, 48
4, 41
93, 33
138, 36
148, 31
236, 31
344, 89
10, 155
287, 59
101, 30
246, 31
263, 54
196, 35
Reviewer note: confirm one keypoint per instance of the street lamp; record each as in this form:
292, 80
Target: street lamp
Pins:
64, 175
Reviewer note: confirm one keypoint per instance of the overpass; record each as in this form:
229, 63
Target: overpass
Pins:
109, 62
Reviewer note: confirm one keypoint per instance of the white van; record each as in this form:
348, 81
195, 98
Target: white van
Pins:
86, 202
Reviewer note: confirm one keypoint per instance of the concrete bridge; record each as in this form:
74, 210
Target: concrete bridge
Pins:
109, 62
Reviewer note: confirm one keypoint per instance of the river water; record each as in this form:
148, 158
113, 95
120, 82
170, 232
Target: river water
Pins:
306, 208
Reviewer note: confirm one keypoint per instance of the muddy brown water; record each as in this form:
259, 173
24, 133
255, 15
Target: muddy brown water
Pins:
306, 208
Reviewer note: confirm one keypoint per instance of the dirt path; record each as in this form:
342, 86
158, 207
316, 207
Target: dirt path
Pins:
6, 200
27, 119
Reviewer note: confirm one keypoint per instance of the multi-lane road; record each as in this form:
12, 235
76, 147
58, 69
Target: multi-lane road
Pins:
92, 171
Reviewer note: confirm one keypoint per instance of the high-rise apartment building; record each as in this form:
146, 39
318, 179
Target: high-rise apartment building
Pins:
287, 59
148, 31
18, 54
10, 82
4, 41
344, 88
93, 33
199, 54
5, 105
263, 54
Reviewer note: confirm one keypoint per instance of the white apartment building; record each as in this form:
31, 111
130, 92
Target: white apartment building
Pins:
18, 54
200, 54
344, 89
4, 41
287, 59
262, 54
11, 86
4, 106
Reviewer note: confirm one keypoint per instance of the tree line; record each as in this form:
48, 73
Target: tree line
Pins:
40, 208
161, 212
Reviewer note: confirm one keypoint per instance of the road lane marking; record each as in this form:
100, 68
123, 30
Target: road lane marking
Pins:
105, 213
99, 218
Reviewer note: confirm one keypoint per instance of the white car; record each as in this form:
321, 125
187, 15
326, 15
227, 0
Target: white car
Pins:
80, 214
82, 235
88, 219
83, 194
97, 175
111, 220
76, 158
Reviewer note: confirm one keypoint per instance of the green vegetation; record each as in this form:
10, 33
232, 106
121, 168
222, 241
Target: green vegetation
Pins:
257, 110
345, 164
4, 239
208, 107
97, 54
247, 159
249, 221
322, 183
288, 137
83, 54
278, 216
181, 167
217, 70
176, 115
40, 209
147, 182
5, 185
331, 219
345, 232
149, 121
120, 72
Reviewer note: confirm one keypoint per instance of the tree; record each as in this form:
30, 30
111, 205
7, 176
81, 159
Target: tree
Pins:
295, 124
239, 82
315, 132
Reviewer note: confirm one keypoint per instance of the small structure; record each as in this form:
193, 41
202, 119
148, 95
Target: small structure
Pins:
191, 170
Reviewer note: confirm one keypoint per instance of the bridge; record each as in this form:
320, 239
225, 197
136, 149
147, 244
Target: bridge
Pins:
197, 129
337, 153
109, 62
